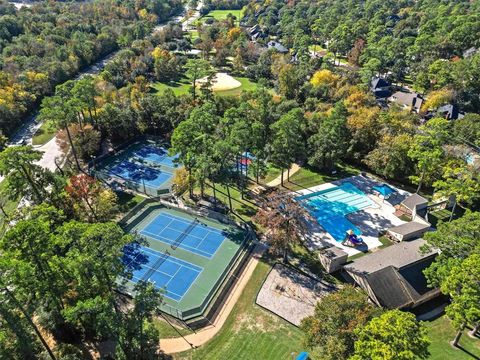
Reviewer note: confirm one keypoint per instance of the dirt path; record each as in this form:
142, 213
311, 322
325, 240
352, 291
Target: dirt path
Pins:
278, 179
175, 345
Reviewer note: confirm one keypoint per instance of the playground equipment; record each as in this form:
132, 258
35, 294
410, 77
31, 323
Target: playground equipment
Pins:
351, 239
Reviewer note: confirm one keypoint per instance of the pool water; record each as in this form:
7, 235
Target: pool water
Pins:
331, 206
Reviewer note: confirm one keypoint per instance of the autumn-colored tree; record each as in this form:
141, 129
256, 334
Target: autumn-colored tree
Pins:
91, 202
285, 220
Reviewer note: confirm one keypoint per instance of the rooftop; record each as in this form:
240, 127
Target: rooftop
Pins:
409, 228
414, 200
398, 255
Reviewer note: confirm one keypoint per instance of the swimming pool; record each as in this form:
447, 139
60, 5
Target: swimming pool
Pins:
330, 207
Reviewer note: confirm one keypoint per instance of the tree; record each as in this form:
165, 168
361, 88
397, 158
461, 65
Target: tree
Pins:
437, 98
394, 335
180, 181
329, 143
467, 130
193, 140
427, 151
455, 240
90, 201
288, 143
462, 286
329, 332
289, 81
138, 337
195, 70
461, 181
390, 158
285, 220
25, 178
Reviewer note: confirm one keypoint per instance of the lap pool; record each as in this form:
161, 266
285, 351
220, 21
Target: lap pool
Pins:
330, 207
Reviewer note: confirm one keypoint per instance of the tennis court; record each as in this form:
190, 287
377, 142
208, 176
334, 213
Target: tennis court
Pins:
330, 206
187, 255
142, 175
145, 167
192, 236
166, 272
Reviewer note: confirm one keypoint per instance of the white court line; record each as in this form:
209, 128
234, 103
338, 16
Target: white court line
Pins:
210, 228
170, 242
173, 259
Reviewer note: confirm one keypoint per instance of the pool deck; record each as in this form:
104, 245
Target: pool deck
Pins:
371, 221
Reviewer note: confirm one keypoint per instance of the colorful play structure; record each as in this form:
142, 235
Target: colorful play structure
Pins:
351, 239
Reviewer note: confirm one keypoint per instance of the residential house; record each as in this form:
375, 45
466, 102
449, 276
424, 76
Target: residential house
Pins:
277, 46
393, 277
407, 100
380, 87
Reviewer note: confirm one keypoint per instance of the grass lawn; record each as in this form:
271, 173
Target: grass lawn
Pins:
441, 332
127, 201
183, 86
44, 134
193, 34
168, 331
306, 177
250, 332
444, 215
222, 14
243, 207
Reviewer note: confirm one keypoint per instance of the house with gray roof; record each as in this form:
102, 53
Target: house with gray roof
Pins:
414, 203
450, 112
408, 231
277, 46
393, 277
407, 100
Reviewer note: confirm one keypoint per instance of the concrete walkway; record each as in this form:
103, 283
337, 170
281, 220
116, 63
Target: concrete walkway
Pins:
277, 181
175, 345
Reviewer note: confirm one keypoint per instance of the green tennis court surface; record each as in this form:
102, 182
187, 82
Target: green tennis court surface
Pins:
186, 256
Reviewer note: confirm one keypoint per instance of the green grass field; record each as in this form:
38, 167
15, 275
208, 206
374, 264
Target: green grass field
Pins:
182, 87
44, 134
307, 177
250, 332
222, 14
441, 332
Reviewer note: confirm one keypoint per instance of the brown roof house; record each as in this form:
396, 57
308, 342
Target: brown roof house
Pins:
393, 277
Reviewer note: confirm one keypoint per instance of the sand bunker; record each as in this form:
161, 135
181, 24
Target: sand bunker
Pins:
222, 81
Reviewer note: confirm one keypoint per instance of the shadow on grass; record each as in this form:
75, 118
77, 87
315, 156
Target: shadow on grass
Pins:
460, 347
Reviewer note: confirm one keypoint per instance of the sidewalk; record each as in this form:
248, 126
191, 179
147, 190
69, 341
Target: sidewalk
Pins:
278, 179
175, 345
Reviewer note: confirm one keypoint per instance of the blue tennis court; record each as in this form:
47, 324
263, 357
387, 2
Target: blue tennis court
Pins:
156, 155
192, 236
330, 206
166, 272
141, 174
